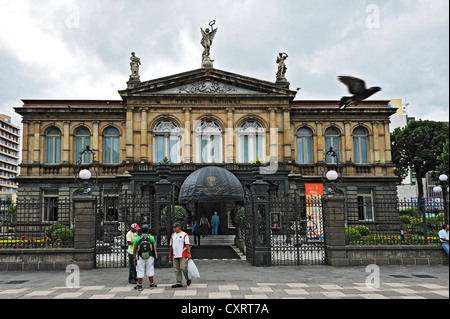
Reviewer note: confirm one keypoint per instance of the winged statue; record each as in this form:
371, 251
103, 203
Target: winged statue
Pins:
208, 37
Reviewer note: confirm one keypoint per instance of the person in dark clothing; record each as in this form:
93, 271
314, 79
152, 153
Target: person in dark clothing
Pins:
196, 231
204, 224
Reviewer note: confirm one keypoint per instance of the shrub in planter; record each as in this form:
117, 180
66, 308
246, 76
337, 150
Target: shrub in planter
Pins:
363, 230
50, 229
352, 234
65, 235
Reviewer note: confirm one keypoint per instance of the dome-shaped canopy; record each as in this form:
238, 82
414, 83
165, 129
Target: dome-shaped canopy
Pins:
211, 183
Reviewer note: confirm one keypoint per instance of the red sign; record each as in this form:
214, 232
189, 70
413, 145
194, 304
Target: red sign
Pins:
313, 189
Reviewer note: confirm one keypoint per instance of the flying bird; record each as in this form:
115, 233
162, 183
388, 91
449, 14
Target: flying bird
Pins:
357, 87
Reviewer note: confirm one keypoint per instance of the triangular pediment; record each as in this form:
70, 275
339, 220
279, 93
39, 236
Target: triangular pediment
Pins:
206, 82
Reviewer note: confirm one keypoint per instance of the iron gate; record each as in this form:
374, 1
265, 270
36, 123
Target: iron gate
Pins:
114, 215
297, 236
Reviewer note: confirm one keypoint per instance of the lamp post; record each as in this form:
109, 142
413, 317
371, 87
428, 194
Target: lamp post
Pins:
83, 175
443, 188
332, 182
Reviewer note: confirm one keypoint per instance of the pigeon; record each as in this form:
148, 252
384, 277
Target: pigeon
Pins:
357, 87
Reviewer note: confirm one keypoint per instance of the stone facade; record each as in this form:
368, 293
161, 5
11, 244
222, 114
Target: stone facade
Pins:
130, 134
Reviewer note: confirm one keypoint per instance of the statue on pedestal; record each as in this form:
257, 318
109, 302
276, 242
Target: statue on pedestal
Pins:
134, 64
207, 40
281, 74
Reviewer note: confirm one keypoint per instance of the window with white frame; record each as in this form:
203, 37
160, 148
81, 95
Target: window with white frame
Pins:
332, 137
53, 145
209, 142
111, 146
360, 146
304, 146
166, 141
82, 139
251, 142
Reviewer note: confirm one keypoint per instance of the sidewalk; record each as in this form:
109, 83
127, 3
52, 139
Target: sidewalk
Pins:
236, 279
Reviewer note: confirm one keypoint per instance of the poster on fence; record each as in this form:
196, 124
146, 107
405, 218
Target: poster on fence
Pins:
314, 218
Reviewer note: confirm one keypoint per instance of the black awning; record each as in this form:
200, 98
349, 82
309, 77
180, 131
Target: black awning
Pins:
211, 184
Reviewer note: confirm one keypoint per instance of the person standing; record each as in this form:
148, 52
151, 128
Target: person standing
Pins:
196, 231
131, 237
215, 223
144, 255
179, 254
204, 224
443, 236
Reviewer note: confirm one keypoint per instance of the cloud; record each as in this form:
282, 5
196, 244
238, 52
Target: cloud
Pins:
80, 49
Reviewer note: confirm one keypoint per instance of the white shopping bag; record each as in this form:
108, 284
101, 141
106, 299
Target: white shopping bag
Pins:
192, 270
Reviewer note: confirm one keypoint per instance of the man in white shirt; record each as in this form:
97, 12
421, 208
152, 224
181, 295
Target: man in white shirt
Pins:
443, 236
180, 253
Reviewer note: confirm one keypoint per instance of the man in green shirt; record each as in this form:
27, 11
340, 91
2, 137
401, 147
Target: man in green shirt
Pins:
144, 255
131, 237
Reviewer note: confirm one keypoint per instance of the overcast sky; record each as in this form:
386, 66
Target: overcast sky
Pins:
80, 49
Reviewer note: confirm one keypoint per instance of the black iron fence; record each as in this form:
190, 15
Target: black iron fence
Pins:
400, 222
47, 223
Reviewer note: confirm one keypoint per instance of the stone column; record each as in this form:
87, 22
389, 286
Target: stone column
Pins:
273, 140
66, 142
333, 208
375, 142
25, 142
36, 147
144, 135
187, 146
319, 143
229, 136
84, 235
95, 140
129, 135
348, 147
287, 134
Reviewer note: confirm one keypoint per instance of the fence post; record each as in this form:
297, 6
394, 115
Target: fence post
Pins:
334, 230
84, 234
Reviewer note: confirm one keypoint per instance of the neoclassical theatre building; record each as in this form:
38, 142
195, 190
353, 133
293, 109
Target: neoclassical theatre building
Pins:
205, 117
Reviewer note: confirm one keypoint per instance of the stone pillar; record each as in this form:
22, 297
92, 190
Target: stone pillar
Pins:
95, 140
84, 236
333, 208
129, 135
287, 134
347, 154
66, 143
229, 136
25, 142
36, 147
187, 146
144, 135
273, 142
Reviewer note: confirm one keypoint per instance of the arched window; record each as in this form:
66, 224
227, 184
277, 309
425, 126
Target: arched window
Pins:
111, 146
166, 141
360, 146
53, 144
304, 146
251, 142
82, 139
209, 142
332, 137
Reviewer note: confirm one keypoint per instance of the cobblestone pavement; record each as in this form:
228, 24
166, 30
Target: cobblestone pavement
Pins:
236, 279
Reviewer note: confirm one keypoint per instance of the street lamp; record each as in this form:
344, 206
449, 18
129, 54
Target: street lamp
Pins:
332, 181
83, 175
443, 188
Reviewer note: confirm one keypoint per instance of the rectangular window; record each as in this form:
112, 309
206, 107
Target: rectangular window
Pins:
365, 204
50, 209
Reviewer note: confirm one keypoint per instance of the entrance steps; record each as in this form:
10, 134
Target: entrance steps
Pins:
219, 240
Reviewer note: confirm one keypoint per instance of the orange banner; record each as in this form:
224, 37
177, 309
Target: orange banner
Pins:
313, 189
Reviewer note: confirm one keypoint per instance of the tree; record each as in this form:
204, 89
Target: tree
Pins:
444, 160
418, 146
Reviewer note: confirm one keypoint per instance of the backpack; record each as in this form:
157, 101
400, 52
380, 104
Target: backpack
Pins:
145, 248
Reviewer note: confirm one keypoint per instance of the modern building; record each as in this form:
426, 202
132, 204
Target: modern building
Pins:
9, 158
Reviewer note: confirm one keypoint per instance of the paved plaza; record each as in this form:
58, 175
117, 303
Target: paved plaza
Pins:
236, 279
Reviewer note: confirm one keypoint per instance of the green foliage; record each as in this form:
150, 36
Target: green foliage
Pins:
179, 215
418, 146
352, 234
64, 234
50, 229
363, 230
444, 160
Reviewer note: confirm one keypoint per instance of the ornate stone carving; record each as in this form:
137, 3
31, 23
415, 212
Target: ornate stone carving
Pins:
134, 65
207, 87
207, 40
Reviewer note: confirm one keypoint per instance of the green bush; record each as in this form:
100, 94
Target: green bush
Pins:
352, 234
50, 229
64, 234
363, 230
